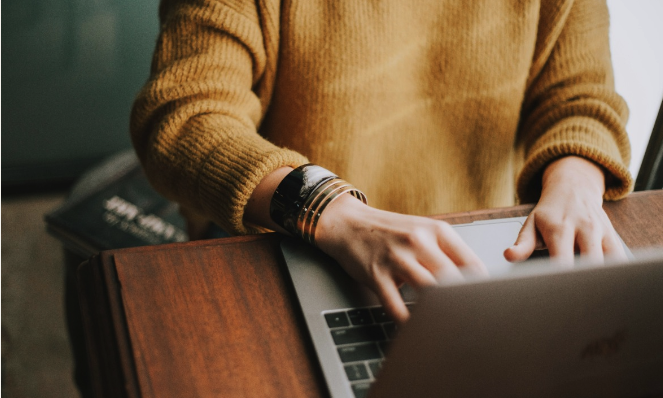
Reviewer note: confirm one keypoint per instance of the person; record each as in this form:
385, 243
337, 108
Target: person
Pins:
426, 107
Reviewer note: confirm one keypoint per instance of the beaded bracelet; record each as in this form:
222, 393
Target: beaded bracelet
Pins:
301, 197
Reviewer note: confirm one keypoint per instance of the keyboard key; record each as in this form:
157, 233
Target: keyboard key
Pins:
390, 329
360, 352
356, 372
361, 389
360, 316
362, 334
337, 319
375, 367
380, 315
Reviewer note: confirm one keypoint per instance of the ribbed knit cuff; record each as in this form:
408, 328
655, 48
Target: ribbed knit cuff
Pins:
230, 175
585, 140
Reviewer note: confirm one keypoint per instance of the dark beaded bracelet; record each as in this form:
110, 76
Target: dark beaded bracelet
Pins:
292, 192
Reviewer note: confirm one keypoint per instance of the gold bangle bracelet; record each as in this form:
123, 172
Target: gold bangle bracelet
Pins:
328, 200
312, 201
320, 196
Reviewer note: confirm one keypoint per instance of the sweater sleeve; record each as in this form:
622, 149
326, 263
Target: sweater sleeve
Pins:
571, 107
194, 125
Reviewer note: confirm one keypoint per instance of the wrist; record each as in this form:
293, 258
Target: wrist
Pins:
303, 195
257, 208
574, 171
339, 219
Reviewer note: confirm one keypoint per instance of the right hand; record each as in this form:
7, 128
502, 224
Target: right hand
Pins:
383, 250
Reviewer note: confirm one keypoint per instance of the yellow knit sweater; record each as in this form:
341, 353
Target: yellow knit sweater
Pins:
428, 107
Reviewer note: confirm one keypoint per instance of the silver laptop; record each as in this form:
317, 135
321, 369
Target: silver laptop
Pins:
496, 336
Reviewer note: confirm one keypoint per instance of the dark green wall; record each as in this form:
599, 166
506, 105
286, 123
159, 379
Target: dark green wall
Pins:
70, 71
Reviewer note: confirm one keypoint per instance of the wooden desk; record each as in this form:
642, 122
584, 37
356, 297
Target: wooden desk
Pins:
219, 317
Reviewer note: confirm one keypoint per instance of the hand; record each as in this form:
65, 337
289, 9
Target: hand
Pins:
569, 216
383, 250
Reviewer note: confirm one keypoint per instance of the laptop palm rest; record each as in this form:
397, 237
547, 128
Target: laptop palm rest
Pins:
322, 285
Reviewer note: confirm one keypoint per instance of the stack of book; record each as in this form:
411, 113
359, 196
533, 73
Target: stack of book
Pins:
113, 206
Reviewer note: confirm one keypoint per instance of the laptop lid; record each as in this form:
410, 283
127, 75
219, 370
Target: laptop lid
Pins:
550, 332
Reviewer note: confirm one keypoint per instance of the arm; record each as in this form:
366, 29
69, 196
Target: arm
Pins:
194, 124
379, 248
572, 133
194, 127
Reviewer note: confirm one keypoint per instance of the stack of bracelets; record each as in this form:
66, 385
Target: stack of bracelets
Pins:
303, 195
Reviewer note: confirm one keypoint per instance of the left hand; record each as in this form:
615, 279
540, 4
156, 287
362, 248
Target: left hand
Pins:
569, 216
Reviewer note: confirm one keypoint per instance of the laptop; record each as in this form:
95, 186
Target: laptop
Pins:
530, 329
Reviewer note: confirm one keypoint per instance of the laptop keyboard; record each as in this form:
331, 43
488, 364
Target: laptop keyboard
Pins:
362, 336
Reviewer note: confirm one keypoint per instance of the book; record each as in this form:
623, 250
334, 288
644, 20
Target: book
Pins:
114, 206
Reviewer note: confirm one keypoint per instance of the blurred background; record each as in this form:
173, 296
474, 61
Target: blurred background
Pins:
70, 71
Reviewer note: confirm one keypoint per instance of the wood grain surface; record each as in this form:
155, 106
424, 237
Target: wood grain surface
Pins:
219, 318
215, 321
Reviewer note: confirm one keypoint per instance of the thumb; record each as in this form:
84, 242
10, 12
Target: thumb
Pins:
525, 243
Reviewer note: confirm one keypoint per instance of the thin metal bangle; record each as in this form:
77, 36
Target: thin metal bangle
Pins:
320, 198
313, 200
330, 198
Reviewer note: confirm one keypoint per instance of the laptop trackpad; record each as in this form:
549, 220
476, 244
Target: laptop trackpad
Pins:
489, 240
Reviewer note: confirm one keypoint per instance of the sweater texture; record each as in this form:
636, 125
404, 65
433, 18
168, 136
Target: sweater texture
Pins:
428, 107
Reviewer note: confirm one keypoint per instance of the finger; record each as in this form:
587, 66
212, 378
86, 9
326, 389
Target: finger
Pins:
391, 300
561, 243
458, 252
416, 274
450, 273
445, 269
525, 244
590, 244
612, 246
